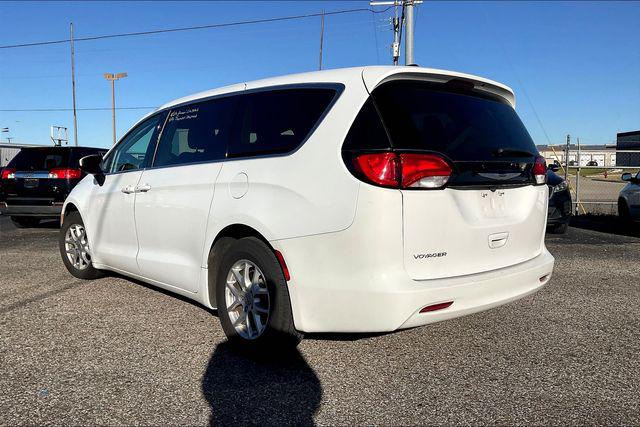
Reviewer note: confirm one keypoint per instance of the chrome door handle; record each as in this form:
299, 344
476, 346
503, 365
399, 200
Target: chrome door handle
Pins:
128, 189
143, 188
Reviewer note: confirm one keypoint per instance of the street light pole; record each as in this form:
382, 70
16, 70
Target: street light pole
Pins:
112, 77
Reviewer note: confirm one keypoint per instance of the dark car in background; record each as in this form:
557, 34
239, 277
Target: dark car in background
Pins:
35, 183
560, 205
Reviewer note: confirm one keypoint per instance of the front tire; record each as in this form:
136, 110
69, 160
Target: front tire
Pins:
559, 228
25, 221
623, 211
252, 297
75, 250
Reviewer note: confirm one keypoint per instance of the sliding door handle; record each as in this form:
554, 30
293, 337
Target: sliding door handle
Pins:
128, 189
143, 188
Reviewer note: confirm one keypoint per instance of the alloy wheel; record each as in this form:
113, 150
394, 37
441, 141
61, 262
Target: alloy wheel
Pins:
247, 299
76, 246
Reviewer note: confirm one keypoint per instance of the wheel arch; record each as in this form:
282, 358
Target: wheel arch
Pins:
220, 244
69, 207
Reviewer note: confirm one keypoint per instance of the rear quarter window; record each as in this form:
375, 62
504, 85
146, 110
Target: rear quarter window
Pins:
279, 121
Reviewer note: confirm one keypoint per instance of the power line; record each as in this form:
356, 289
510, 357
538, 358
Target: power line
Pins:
71, 109
197, 27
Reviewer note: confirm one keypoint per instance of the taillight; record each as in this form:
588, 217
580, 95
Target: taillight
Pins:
406, 170
65, 173
540, 170
424, 171
8, 173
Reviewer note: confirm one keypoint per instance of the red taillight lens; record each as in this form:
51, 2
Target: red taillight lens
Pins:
379, 168
407, 170
65, 173
424, 171
540, 170
8, 173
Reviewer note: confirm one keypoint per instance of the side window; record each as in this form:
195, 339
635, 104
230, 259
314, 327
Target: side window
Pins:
136, 148
278, 121
197, 133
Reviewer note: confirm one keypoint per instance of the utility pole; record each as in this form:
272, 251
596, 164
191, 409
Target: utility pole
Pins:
112, 77
397, 24
566, 157
408, 38
73, 90
395, 47
321, 38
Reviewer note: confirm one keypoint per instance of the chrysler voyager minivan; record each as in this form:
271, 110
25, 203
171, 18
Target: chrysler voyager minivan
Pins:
354, 200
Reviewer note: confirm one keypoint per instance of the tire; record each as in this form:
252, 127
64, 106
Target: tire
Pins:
559, 228
82, 268
25, 221
623, 211
268, 305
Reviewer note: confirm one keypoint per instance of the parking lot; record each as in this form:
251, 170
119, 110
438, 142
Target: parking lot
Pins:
115, 351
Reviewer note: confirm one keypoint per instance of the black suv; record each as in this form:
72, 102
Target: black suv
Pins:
37, 180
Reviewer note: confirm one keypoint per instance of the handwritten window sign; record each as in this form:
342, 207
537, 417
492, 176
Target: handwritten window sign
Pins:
184, 114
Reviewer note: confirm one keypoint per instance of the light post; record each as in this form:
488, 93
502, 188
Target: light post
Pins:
112, 77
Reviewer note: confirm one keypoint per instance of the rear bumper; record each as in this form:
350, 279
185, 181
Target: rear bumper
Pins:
391, 301
51, 211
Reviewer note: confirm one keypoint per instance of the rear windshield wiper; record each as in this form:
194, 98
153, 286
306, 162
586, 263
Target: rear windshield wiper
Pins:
511, 152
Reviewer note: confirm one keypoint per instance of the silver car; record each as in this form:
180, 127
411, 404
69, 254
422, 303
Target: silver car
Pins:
629, 198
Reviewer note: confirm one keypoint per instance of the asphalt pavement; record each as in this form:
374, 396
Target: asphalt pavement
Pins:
115, 351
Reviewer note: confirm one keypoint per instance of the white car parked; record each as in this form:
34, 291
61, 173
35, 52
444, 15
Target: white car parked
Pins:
629, 198
352, 200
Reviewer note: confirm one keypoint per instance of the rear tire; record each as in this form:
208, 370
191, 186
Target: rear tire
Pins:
25, 221
75, 250
253, 299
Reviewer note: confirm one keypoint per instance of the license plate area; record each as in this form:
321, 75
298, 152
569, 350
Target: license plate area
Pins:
31, 182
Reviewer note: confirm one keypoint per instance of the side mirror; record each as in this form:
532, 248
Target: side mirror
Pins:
627, 176
554, 167
91, 165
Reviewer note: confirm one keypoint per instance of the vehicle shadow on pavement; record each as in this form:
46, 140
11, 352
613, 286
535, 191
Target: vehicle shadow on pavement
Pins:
258, 389
606, 224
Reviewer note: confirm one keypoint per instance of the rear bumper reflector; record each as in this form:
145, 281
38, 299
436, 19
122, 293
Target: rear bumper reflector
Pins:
436, 307
285, 269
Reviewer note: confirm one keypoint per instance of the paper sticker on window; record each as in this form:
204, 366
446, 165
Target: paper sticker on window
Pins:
179, 115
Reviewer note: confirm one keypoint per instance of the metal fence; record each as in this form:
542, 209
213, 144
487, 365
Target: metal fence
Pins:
594, 177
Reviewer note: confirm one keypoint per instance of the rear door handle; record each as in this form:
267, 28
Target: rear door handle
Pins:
143, 188
128, 189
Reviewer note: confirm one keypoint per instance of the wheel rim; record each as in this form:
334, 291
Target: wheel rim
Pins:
76, 246
247, 299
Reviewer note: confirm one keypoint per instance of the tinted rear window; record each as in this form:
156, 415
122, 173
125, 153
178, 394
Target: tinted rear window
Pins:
278, 121
462, 126
40, 159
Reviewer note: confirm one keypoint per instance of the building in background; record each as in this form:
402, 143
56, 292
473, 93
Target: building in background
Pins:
603, 155
628, 141
9, 151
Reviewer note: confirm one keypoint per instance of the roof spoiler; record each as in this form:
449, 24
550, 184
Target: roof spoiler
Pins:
375, 76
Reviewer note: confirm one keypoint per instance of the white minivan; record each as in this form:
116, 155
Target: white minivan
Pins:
365, 199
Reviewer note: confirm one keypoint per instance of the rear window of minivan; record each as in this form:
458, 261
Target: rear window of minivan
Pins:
462, 126
478, 133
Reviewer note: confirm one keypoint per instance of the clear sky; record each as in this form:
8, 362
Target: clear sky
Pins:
575, 66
